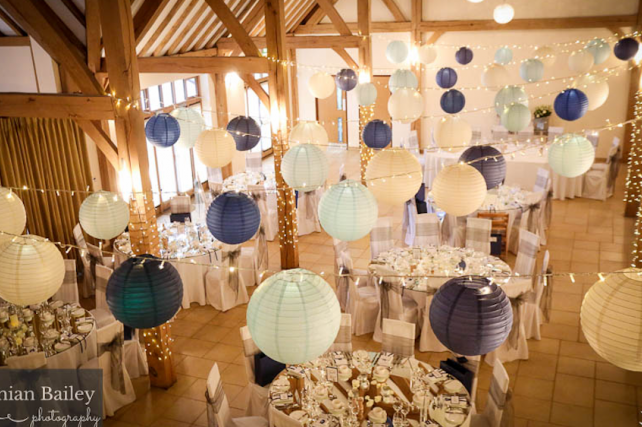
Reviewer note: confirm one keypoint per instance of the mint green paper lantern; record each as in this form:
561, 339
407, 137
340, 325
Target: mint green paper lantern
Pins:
294, 316
571, 155
600, 50
508, 96
516, 117
366, 94
531, 70
348, 211
305, 167
402, 79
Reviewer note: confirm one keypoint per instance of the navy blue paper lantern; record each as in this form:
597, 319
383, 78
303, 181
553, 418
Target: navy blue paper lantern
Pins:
346, 79
452, 101
245, 131
571, 104
492, 169
144, 292
471, 316
233, 218
446, 78
162, 130
464, 55
377, 134
626, 48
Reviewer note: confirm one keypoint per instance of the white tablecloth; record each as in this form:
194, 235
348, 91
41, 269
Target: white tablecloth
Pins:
77, 355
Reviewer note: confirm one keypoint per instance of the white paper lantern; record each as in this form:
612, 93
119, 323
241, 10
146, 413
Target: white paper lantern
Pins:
397, 52
516, 117
453, 133
309, 132
531, 70
427, 54
508, 96
405, 105
191, 124
503, 13
402, 79
321, 85
394, 175
104, 215
611, 318
495, 76
595, 88
366, 94
31, 270
459, 189
12, 214
348, 211
546, 54
215, 148
475, 1
580, 61
305, 167
571, 155
503, 55
294, 316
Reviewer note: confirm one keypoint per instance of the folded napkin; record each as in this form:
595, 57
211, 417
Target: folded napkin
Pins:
296, 371
281, 398
386, 359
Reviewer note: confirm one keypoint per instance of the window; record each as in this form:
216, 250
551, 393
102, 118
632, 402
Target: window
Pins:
256, 110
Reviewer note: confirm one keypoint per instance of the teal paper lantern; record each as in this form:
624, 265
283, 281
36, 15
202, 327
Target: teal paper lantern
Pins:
516, 117
402, 79
531, 70
348, 211
508, 96
600, 50
397, 52
503, 56
294, 316
571, 155
305, 167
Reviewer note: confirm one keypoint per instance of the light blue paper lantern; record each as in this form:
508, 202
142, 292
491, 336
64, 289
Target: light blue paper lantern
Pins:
571, 104
294, 316
508, 96
305, 167
571, 155
366, 94
531, 70
503, 56
600, 50
348, 211
516, 117
397, 52
402, 79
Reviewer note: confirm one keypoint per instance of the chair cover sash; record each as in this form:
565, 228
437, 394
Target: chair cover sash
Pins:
115, 349
232, 257
400, 346
385, 287
249, 347
214, 404
547, 297
499, 397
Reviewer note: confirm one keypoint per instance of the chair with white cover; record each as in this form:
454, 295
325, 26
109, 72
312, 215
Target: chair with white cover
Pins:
554, 132
542, 180
279, 418
363, 305
409, 222
342, 266
87, 289
268, 221
224, 285
478, 234
428, 341
214, 175
343, 341
101, 313
180, 208
599, 181
216, 188
135, 358
453, 231
381, 237
394, 304
308, 211
253, 162
498, 398
532, 311
427, 230
258, 396
398, 338
68, 292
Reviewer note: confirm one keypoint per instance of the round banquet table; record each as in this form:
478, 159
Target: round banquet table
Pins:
240, 181
380, 378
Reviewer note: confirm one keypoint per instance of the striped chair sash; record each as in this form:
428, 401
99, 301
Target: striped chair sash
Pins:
214, 404
180, 204
404, 347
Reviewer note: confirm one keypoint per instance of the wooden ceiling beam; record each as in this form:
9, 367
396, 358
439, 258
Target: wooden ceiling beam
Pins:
393, 7
376, 27
234, 26
337, 21
160, 28
200, 64
14, 41
77, 13
207, 21
146, 17
56, 106
190, 26
4, 16
171, 31
299, 42
346, 57
317, 15
93, 35
531, 24
222, 29
254, 17
251, 82
102, 140
310, 10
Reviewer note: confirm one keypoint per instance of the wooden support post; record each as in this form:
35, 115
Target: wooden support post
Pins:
415, 42
365, 72
294, 85
278, 84
222, 116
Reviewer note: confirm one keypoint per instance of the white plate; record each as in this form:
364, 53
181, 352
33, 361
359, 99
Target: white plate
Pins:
453, 386
299, 415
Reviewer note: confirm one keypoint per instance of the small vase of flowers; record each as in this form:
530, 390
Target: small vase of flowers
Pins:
541, 117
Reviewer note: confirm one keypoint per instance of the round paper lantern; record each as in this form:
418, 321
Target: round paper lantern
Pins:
394, 176
503, 56
321, 85
405, 105
452, 133
245, 131
595, 89
446, 78
144, 292
546, 54
12, 212
427, 54
452, 101
402, 79
571, 155
162, 130
459, 189
494, 75
191, 125
215, 148
611, 318
305, 167
516, 117
309, 132
233, 218
377, 134
508, 96
626, 49
464, 55
503, 13
397, 51
600, 50
531, 70
470, 315
580, 61
348, 211
31, 270
492, 169
346, 79
294, 316
366, 94
104, 215
571, 104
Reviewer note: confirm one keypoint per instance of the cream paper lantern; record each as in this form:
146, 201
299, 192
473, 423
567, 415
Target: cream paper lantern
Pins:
348, 211
595, 88
611, 318
508, 96
427, 54
104, 215
546, 54
516, 117
12, 214
321, 85
459, 189
503, 13
571, 155
405, 105
495, 76
394, 176
580, 61
366, 94
402, 79
191, 124
453, 133
31, 270
309, 132
305, 167
215, 148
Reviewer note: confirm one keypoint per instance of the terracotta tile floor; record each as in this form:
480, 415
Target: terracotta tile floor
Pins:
564, 383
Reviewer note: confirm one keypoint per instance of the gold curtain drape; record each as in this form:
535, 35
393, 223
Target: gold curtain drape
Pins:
48, 154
